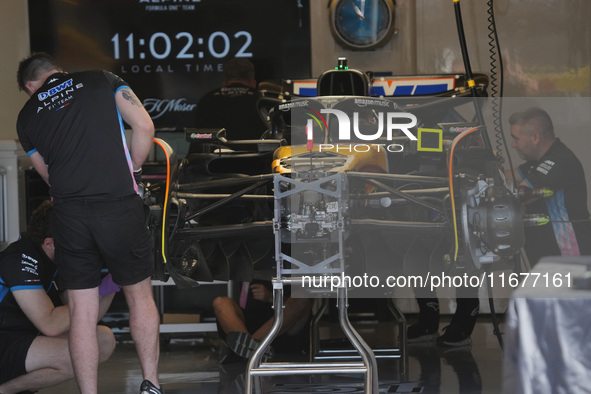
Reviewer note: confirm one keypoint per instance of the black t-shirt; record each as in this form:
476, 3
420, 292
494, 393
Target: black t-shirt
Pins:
234, 108
73, 122
23, 265
569, 233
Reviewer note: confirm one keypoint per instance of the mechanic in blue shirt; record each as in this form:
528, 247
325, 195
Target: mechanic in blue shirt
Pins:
34, 323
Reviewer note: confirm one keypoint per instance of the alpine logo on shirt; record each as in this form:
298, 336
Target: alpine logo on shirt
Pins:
58, 96
545, 166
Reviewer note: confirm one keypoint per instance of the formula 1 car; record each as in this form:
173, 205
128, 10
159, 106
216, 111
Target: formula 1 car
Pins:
340, 185
347, 158
413, 166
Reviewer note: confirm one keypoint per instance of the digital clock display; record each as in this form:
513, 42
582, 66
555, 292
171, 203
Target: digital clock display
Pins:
172, 52
182, 45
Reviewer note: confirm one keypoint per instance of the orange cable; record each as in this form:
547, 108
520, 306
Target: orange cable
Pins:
165, 198
451, 187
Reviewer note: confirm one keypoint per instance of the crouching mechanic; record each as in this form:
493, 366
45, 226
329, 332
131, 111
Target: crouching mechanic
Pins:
34, 324
243, 325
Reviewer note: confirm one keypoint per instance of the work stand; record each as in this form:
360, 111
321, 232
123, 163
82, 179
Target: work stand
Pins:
310, 228
318, 353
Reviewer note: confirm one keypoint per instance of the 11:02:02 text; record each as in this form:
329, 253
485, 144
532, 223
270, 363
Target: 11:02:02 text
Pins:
160, 45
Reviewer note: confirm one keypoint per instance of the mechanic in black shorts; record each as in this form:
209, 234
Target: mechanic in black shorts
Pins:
550, 164
72, 129
243, 324
33, 321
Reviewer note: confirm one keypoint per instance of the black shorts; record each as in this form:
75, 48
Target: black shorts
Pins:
91, 233
13, 354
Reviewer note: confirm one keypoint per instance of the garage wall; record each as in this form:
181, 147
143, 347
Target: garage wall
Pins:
14, 45
546, 44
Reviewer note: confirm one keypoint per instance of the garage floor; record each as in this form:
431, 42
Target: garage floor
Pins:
189, 365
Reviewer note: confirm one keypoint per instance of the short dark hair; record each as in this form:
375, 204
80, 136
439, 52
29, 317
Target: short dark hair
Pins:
239, 68
38, 227
537, 117
31, 68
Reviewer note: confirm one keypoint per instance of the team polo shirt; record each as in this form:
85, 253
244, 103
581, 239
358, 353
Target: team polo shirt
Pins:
23, 265
569, 233
73, 122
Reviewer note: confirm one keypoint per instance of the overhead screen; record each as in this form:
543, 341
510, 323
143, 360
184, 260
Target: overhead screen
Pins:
172, 52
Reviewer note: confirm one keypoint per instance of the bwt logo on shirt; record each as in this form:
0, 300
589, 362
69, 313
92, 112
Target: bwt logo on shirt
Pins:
55, 90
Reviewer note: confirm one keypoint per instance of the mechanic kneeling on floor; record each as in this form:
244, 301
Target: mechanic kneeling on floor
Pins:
34, 323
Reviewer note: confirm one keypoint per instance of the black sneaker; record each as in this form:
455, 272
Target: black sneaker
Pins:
418, 333
454, 336
148, 388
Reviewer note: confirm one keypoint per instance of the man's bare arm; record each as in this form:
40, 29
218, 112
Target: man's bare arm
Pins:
135, 115
39, 165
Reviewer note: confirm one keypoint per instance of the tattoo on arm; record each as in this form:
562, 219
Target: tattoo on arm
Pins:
129, 96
